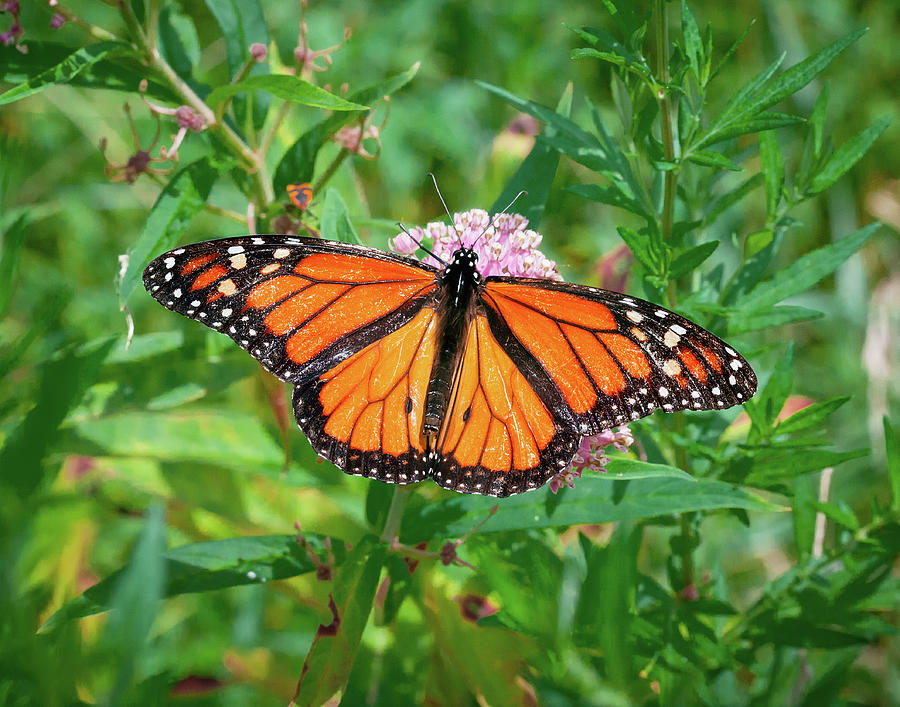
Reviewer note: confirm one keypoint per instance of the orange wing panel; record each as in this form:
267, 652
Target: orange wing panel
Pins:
561, 306
693, 364
197, 263
269, 292
207, 277
341, 267
291, 313
628, 354
599, 363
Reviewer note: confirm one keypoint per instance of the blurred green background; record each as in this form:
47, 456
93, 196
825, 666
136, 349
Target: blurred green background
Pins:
103, 471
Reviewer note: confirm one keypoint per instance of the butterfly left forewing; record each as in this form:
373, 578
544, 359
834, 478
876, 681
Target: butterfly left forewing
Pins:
297, 305
614, 358
500, 436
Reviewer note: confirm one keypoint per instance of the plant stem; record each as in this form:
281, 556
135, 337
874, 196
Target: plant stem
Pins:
395, 513
668, 127
331, 169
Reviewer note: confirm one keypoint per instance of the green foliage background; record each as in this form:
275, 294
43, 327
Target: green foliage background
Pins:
115, 461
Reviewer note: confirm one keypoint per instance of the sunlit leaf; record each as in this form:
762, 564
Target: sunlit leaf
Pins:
288, 88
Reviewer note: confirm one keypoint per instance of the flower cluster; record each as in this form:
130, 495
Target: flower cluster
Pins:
591, 455
504, 244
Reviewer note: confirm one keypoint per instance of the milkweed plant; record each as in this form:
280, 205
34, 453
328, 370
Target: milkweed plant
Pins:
248, 571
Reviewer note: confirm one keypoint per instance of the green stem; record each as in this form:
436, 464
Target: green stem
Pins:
395, 513
332, 168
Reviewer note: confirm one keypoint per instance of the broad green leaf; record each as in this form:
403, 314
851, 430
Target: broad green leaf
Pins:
179, 395
178, 41
288, 88
134, 602
63, 72
535, 174
622, 468
810, 416
593, 500
741, 321
232, 439
330, 660
10, 253
181, 199
211, 565
775, 471
691, 258
805, 272
42, 318
335, 222
299, 160
892, 455
711, 158
693, 45
773, 171
846, 156
63, 382
144, 346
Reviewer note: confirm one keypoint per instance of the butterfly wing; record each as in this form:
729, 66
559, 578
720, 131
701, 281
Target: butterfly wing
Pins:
300, 306
612, 357
507, 428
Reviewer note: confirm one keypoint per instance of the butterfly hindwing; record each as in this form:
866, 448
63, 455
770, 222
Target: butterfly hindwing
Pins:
500, 434
613, 357
297, 305
365, 414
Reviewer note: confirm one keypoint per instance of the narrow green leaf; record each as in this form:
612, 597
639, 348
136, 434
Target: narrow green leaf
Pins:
731, 197
288, 88
810, 416
892, 455
611, 49
10, 253
623, 468
63, 72
731, 50
134, 602
330, 660
610, 195
847, 155
804, 516
335, 221
63, 382
535, 174
710, 158
299, 160
773, 170
181, 199
755, 265
178, 41
242, 24
841, 516
806, 271
640, 246
817, 119
691, 258
763, 409
693, 45
593, 500
772, 473
747, 126
144, 346
211, 565
740, 322
737, 106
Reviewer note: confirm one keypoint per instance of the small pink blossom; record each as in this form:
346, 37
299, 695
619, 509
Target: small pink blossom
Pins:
591, 455
407, 243
188, 118
57, 20
258, 51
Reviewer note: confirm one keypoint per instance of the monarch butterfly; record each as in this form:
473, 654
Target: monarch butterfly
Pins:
300, 194
404, 371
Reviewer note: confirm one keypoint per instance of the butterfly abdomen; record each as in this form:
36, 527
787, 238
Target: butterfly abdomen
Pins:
459, 282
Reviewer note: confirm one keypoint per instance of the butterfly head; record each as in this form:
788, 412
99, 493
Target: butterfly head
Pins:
461, 277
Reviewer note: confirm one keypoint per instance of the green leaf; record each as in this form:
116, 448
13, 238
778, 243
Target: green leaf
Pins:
693, 45
711, 158
804, 516
892, 455
764, 408
181, 199
805, 272
841, 516
773, 170
746, 126
641, 246
775, 471
731, 197
330, 660
817, 119
242, 24
178, 41
691, 258
10, 254
535, 174
63, 72
810, 416
63, 382
144, 346
134, 601
731, 50
299, 160
610, 195
207, 566
623, 468
335, 222
593, 500
288, 88
740, 322
846, 156
611, 49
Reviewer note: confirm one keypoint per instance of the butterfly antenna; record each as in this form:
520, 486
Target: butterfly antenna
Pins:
422, 245
491, 219
441, 197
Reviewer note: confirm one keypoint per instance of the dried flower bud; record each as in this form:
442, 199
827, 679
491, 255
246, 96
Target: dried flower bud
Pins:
189, 119
57, 21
